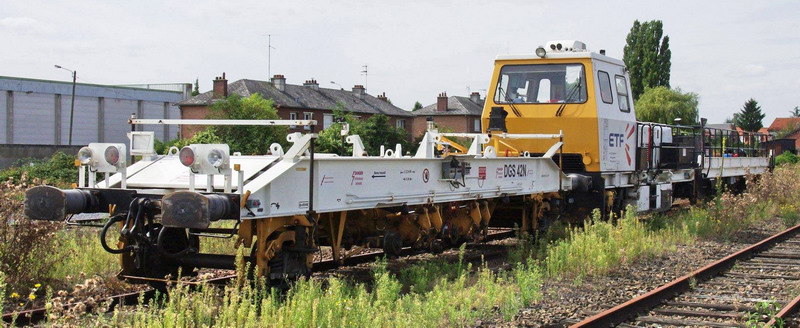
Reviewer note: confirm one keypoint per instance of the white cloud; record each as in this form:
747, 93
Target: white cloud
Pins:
24, 24
753, 69
18, 22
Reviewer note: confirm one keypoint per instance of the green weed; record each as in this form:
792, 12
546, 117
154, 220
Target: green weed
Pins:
764, 311
601, 246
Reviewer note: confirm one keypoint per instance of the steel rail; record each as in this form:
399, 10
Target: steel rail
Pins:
632, 308
34, 316
784, 313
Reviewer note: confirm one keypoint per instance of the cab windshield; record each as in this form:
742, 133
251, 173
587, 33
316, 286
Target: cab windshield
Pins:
541, 84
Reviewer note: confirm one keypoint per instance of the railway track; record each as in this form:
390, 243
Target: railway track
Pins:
36, 315
758, 285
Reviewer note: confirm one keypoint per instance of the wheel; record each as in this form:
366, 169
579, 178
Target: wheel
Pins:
392, 244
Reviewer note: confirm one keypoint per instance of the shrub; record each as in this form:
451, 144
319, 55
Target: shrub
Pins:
786, 158
25, 246
59, 169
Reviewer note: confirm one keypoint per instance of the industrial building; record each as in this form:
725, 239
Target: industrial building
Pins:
35, 114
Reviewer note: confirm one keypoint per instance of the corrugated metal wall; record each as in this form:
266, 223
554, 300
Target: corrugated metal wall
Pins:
33, 118
117, 113
84, 129
3, 116
41, 112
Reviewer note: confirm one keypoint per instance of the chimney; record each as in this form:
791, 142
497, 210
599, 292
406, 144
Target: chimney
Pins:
359, 91
441, 102
475, 97
383, 97
279, 82
220, 86
311, 84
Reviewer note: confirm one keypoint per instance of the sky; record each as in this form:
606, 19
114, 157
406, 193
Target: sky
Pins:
725, 51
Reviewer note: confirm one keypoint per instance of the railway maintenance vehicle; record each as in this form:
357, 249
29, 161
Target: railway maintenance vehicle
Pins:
559, 138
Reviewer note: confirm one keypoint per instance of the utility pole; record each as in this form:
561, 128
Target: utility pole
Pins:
366, 77
72, 105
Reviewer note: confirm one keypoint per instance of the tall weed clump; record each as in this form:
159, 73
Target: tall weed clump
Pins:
42, 252
26, 246
778, 192
771, 194
600, 246
453, 300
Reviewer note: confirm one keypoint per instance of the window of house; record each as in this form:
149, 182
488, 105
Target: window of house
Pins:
293, 117
308, 116
622, 94
476, 125
327, 120
605, 87
401, 124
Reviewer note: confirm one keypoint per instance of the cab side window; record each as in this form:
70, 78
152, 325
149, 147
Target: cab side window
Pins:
605, 87
622, 94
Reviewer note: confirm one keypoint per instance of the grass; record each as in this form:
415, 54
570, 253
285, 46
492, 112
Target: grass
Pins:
455, 300
82, 254
600, 246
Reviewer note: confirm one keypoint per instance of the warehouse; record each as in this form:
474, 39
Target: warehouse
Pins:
35, 114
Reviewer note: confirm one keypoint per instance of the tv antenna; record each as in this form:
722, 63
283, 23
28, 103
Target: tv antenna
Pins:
269, 55
366, 76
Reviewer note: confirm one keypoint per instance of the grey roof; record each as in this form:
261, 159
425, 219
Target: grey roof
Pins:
298, 96
456, 105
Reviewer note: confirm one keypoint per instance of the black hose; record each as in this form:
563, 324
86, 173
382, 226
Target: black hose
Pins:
113, 220
131, 208
160, 245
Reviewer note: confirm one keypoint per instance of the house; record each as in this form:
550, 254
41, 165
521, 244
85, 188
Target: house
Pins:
296, 102
455, 113
784, 123
788, 128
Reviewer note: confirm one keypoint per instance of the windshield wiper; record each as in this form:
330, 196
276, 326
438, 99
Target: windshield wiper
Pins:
572, 91
510, 102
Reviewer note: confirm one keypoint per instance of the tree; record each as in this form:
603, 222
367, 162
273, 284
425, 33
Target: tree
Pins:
374, 132
247, 139
647, 56
664, 105
795, 112
750, 117
417, 106
196, 90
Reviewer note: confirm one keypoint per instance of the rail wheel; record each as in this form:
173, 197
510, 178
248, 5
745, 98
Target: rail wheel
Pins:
287, 256
392, 243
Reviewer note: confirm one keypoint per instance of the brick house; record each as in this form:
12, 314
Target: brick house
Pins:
300, 102
788, 125
456, 113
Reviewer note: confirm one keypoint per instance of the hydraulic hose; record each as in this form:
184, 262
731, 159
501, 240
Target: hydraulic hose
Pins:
104, 232
163, 250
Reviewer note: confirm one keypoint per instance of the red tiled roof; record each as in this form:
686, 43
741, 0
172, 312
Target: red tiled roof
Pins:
781, 123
